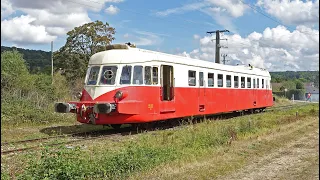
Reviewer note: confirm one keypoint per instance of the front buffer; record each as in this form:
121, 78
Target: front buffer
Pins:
89, 111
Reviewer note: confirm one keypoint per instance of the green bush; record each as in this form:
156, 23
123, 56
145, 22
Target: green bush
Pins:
298, 93
29, 97
60, 164
64, 163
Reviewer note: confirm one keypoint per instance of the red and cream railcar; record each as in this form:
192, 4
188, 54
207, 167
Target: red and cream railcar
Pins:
131, 85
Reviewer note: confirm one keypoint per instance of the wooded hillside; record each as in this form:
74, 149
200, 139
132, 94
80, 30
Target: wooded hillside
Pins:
36, 60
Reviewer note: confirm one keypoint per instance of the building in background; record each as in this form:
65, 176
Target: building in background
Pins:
314, 91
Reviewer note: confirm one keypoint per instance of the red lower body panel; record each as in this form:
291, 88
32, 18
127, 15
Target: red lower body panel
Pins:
144, 104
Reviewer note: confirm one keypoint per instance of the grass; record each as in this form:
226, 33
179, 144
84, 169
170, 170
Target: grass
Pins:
144, 152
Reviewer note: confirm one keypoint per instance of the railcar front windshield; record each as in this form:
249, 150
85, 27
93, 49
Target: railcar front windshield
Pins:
93, 75
126, 75
108, 75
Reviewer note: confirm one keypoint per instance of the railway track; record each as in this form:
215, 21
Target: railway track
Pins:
21, 146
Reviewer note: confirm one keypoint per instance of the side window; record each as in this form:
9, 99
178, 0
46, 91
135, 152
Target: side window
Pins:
254, 83
155, 75
201, 78
262, 83
248, 82
220, 80
228, 81
108, 75
243, 84
192, 78
137, 75
236, 81
126, 75
93, 75
147, 75
257, 82
210, 79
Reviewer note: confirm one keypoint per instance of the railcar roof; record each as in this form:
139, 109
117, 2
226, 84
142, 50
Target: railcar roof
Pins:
128, 55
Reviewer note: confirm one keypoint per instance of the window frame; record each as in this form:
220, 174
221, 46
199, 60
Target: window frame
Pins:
130, 80
153, 82
234, 81
244, 82
227, 81
98, 75
201, 79
101, 75
145, 75
248, 80
210, 78
142, 75
195, 77
221, 80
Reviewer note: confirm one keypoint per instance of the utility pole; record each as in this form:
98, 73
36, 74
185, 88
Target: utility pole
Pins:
224, 58
52, 60
217, 43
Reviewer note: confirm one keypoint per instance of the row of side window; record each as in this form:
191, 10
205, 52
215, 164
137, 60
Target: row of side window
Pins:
150, 75
244, 82
147, 75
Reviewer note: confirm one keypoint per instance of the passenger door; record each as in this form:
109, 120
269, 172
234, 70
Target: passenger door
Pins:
167, 103
254, 91
201, 94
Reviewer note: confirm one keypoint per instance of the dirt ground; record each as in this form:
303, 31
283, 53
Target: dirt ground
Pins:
297, 160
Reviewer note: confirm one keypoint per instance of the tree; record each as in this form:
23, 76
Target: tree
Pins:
299, 85
14, 72
82, 43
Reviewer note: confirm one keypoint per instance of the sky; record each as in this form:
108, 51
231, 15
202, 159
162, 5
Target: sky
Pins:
278, 35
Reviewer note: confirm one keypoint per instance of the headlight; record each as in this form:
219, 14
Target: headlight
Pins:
118, 95
79, 95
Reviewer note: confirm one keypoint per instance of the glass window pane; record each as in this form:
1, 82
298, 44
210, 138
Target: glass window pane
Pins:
126, 75
210, 80
243, 85
236, 81
147, 75
201, 78
192, 78
220, 80
108, 75
137, 75
155, 75
93, 76
228, 81
248, 82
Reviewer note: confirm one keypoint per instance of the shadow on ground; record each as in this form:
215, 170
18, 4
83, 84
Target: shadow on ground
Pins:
64, 130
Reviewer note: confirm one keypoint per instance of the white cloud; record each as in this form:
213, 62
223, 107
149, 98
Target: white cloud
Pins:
184, 8
223, 12
111, 10
20, 31
126, 35
292, 12
144, 38
6, 8
196, 36
276, 49
232, 7
49, 18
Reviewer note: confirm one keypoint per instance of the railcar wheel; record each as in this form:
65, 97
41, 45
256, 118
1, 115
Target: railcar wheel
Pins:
115, 126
